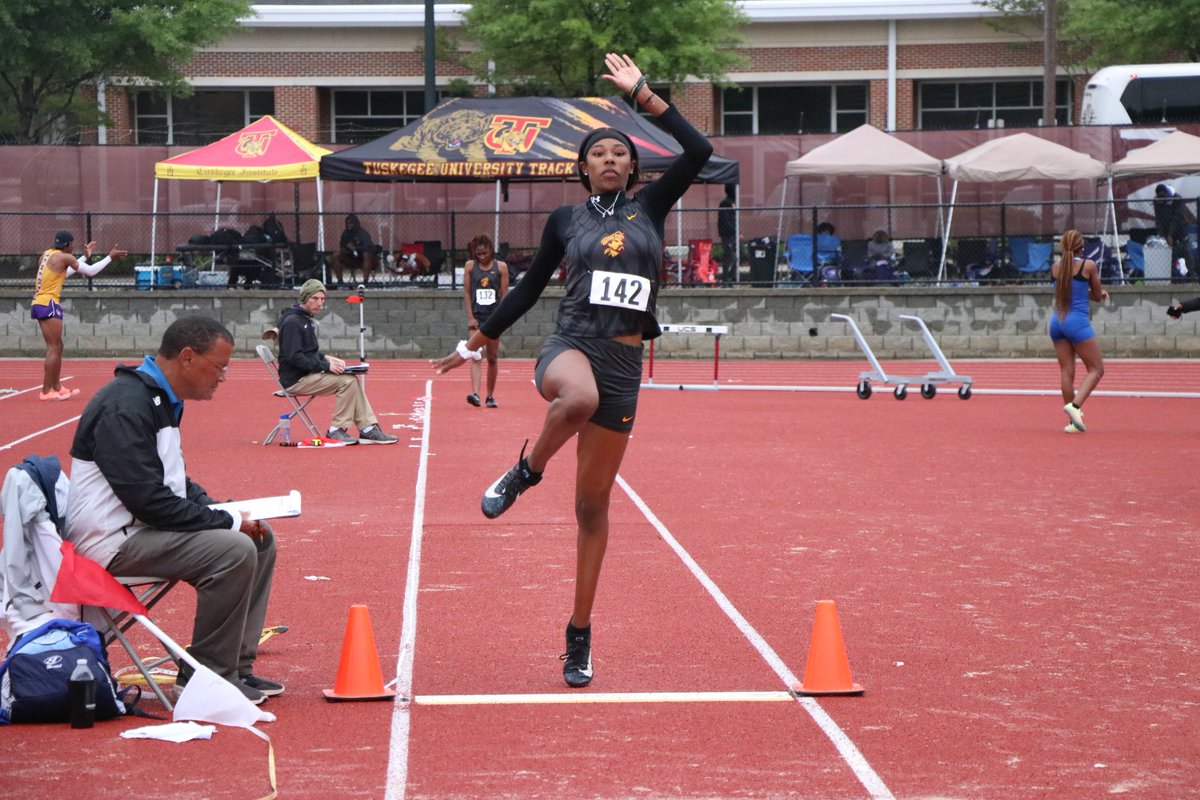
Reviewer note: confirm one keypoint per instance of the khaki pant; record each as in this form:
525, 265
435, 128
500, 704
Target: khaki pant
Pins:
232, 575
351, 406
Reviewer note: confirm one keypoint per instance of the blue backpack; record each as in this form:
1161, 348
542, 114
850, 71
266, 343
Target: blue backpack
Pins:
34, 679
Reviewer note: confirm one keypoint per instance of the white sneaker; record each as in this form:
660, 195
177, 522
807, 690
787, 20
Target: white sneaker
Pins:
1075, 415
1071, 429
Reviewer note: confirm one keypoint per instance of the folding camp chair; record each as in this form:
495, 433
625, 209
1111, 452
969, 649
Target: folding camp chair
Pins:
800, 257
918, 259
113, 625
1037, 258
297, 402
30, 562
854, 259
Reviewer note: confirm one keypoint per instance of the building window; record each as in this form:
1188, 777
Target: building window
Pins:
835, 108
204, 117
360, 116
983, 104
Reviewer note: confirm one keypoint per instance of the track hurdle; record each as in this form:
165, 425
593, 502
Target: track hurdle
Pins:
716, 330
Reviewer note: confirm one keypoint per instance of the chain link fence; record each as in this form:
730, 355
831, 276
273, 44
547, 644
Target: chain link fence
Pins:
771, 246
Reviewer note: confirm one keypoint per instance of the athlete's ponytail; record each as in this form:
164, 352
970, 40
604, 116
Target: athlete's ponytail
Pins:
1072, 245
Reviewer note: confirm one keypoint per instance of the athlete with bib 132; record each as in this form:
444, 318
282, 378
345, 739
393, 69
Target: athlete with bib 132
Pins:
590, 368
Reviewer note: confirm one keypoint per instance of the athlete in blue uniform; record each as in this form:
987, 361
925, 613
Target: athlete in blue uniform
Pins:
590, 368
1076, 279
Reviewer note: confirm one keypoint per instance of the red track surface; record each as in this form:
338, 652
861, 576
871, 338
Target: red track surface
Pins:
1020, 604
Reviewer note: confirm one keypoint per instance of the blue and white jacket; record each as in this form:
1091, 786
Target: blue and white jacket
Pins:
127, 470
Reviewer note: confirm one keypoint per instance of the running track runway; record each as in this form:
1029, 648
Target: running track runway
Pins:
1020, 604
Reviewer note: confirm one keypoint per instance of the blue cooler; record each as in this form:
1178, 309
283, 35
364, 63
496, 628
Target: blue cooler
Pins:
144, 278
169, 277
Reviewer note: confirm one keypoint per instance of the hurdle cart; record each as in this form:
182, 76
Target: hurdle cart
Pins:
928, 382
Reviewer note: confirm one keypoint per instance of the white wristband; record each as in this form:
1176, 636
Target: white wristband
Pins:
465, 354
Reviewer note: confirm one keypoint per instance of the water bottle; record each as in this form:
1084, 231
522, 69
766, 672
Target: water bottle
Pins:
81, 692
285, 428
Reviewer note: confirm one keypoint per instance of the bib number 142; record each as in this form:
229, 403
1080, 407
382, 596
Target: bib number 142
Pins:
620, 290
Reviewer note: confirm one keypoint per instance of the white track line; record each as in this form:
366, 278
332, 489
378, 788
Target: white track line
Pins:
850, 753
16, 442
882, 388
601, 697
397, 774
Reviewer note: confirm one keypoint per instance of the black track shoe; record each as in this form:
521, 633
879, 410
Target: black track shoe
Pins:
577, 661
500, 496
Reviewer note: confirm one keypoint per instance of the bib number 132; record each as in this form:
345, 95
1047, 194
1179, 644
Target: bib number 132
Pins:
620, 290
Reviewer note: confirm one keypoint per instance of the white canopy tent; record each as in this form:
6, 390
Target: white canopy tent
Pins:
1177, 153
1019, 157
865, 151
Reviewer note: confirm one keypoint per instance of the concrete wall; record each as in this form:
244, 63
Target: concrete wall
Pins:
764, 323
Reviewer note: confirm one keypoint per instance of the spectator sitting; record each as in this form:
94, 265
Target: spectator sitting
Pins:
132, 508
355, 251
880, 249
304, 370
881, 256
274, 230
412, 264
829, 252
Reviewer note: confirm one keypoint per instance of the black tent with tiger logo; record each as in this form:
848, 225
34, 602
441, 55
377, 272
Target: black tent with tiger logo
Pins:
507, 139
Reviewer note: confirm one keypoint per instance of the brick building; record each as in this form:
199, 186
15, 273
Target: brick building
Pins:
344, 72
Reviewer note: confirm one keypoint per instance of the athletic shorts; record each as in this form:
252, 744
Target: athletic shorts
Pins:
51, 310
1075, 328
617, 368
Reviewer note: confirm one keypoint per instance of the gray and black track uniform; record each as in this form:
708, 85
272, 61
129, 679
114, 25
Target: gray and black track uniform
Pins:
485, 290
613, 263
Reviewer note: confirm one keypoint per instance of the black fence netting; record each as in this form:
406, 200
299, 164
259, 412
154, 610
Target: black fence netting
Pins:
762, 246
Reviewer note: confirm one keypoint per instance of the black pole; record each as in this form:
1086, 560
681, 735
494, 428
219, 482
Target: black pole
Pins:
816, 270
430, 61
296, 209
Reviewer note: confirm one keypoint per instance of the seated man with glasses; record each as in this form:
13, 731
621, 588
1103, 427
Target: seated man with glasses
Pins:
133, 509
304, 370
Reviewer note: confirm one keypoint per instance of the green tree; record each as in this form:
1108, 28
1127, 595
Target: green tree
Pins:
52, 50
1142, 32
1095, 33
557, 47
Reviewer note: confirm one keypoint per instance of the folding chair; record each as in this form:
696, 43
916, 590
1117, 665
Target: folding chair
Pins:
30, 561
918, 259
113, 624
800, 257
704, 269
854, 259
1096, 250
437, 257
294, 400
1037, 258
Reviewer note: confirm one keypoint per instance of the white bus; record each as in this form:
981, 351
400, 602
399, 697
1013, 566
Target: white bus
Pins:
1142, 94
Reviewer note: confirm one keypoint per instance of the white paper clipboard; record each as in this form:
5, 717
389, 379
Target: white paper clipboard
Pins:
284, 505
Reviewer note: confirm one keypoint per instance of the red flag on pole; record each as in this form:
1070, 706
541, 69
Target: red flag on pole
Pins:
81, 580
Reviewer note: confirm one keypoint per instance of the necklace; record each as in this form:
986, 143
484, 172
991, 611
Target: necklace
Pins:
601, 210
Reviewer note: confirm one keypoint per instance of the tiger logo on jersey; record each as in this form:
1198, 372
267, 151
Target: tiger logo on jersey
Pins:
614, 244
483, 284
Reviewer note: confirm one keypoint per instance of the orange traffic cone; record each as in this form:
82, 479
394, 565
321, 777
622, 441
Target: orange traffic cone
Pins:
359, 676
828, 670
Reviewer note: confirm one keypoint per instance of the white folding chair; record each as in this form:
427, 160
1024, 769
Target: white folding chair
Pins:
297, 402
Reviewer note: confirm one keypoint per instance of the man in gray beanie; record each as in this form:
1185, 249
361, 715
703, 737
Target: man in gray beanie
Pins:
304, 370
